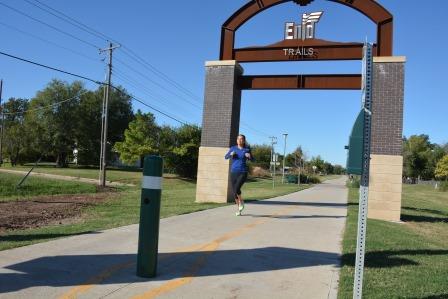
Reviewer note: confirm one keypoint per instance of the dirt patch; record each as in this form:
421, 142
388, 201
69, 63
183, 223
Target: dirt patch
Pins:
46, 210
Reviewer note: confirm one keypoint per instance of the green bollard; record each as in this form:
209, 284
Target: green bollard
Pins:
148, 233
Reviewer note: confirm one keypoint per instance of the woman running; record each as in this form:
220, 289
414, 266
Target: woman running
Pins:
239, 153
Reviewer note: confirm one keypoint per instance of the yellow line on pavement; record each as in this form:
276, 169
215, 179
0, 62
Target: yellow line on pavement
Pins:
200, 262
206, 249
74, 292
97, 279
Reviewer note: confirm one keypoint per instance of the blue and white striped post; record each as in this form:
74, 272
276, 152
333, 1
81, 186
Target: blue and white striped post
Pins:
148, 234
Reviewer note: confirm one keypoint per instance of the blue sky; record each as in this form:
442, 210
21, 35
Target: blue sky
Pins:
177, 37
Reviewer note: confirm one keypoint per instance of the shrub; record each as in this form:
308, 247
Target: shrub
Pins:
309, 179
354, 182
312, 179
443, 186
259, 172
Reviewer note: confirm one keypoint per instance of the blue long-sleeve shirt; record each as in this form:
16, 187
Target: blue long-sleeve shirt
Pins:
239, 159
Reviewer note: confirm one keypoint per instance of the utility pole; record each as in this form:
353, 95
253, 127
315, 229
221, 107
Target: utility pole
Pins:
284, 158
3, 123
105, 115
273, 158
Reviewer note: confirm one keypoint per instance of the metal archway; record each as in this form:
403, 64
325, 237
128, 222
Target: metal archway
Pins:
330, 50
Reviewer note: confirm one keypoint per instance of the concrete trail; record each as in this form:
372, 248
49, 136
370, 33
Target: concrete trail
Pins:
65, 178
286, 247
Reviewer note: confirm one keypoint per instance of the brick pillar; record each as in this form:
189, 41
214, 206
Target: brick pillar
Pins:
220, 127
386, 166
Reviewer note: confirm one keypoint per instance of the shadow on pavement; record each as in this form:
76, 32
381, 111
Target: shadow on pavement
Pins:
35, 237
73, 270
292, 216
298, 203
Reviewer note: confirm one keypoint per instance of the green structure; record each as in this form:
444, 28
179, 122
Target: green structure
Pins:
355, 146
148, 234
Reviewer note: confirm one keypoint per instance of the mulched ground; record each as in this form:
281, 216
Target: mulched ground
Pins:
46, 210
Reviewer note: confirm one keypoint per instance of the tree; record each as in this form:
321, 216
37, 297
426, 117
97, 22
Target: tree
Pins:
441, 171
14, 143
338, 169
262, 155
56, 127
88, 140
318, 162
183, 153
420, 156
328, 168
140, 139
295, 158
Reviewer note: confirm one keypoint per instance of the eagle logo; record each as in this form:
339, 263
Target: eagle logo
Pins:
305, 30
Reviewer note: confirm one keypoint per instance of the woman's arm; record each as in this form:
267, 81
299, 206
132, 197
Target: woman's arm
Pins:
228, 155
249, 155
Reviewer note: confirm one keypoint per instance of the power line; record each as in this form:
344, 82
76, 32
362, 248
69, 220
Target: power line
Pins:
160, 111
150, 106
159, 73
130, 53
134, 56
264, 134
50, 26
80, 25
154, 82
48, 41
91, 80
64, 17
261, 133
51, 68
127, 51
48, 106
141, 88
88, 79
96, 33
157, 97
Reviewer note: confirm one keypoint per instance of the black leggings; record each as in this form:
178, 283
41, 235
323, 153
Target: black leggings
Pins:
238, 179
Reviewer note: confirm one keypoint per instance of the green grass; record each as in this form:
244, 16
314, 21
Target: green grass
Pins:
407, 260
34, 186
178, 197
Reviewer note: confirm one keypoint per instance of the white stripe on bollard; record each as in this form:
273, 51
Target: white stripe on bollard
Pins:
152, 182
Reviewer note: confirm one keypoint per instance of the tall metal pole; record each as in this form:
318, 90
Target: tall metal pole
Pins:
273, 158
106, 115
284, 158
3, 123
364, 186
102, 130
275, 164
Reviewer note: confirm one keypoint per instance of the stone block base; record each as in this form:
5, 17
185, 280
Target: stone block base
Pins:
213, 180
385, 187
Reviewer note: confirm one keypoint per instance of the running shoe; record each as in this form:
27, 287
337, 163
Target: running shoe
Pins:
241, 207
238, 213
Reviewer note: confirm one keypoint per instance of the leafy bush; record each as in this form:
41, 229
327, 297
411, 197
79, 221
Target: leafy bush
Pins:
309, 179
443, 186
354, 182
312, 179
259, 172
